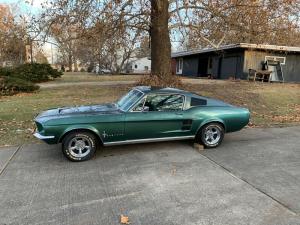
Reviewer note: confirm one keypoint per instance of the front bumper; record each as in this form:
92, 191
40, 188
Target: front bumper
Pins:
48, 139
42, 137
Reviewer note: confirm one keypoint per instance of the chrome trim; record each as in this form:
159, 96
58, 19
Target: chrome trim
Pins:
139, 90
41, 137
148, 140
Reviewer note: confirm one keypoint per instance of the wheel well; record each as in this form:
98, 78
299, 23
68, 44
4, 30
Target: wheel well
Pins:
83, 130
218, 122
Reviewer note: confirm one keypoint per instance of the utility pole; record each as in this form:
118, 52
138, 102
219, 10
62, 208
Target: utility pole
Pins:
51, 55
29, 53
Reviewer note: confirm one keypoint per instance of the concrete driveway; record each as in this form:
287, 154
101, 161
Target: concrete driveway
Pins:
253, 178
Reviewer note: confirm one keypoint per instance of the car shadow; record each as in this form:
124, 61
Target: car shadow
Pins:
53, 153
109, 151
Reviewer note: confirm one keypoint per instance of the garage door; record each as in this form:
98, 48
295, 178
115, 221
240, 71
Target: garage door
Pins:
229, 67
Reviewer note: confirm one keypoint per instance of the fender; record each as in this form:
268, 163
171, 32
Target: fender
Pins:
81, 127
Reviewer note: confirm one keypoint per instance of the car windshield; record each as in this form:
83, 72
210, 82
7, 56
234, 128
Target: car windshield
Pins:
129, 99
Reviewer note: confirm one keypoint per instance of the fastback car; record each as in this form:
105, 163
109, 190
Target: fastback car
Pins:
144, 114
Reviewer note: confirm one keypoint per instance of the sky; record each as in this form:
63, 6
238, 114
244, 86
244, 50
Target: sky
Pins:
25, 6
31, 7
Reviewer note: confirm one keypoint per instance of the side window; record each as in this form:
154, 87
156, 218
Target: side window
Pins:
164, 102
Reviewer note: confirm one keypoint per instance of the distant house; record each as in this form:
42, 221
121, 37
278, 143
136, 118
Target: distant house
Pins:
234, 61
139, 66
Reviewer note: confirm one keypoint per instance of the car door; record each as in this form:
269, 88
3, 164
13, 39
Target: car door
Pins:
157, 116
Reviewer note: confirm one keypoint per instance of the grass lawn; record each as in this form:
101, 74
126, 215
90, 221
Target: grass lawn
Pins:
270, 104
91, 77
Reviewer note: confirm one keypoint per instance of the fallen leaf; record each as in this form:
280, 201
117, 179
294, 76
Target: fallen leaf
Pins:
124, 219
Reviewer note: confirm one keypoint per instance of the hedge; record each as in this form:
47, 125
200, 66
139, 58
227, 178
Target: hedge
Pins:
35, 72
32, 72
22, 78
14, 85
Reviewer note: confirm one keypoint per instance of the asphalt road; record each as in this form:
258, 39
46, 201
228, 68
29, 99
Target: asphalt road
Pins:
253, 178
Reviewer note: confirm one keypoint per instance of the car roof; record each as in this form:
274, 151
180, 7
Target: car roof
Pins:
149, 89
152, 89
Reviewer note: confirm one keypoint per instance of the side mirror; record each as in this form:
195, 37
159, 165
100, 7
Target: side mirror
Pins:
145, 109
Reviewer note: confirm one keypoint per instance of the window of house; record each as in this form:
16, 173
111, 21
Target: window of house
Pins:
276, 59
179, 64
135, 66
146, 68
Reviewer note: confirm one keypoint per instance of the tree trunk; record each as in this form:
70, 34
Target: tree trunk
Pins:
160, 39
70, 62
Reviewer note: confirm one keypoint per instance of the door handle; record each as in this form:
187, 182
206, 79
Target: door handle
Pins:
179, 113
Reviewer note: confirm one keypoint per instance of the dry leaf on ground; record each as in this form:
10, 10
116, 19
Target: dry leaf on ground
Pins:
124, 219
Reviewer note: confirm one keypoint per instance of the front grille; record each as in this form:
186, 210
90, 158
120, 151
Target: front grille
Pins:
39, 126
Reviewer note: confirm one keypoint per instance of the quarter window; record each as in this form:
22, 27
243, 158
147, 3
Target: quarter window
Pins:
129, 99
140, 106
198, 101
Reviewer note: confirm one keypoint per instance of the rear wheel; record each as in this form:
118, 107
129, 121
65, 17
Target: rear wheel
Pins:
79, 146
211, 135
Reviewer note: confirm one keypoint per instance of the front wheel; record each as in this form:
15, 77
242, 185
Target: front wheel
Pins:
79, 146
211, 135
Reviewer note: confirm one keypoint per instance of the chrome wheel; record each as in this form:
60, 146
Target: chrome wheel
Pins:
212, 135
80, 146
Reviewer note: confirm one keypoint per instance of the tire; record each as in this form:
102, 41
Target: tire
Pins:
211, 135
79, 146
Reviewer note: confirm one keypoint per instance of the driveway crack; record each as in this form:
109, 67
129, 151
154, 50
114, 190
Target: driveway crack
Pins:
10, 159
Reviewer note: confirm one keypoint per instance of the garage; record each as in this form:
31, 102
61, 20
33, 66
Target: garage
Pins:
229, 67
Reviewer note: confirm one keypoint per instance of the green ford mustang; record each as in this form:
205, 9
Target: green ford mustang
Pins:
145, 114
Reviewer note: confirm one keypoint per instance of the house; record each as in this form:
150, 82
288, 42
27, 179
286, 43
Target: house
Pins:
139, 66
235, 60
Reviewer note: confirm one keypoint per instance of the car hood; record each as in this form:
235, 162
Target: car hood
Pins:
78, 110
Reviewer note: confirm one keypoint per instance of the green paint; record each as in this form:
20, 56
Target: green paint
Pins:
112, 124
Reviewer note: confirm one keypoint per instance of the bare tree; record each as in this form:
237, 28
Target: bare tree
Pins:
201, 22
12, 41
223, 22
